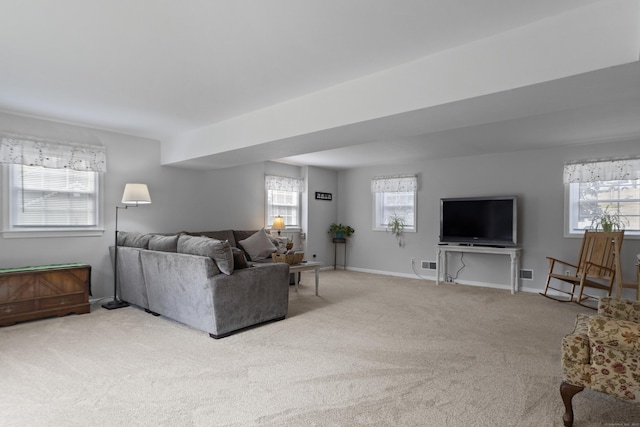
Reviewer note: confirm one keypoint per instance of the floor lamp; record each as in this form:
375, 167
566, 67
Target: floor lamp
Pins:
134, 195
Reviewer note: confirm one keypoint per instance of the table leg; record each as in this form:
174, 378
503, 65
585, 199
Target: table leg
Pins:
317, 279
438, 263
515, 267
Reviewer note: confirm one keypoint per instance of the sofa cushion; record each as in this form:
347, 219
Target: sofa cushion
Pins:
258, 246
164, 243
239, 260
218, 250
243, 234
133, 239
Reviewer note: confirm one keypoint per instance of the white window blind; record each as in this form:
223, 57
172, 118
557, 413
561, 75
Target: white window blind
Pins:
47, 198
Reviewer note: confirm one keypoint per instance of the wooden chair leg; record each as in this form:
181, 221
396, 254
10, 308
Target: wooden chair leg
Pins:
567, 391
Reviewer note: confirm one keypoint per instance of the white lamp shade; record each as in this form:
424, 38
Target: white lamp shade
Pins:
136, 194
278, 223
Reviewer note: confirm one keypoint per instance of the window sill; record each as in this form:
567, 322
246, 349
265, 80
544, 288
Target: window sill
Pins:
21, 234
627, 235
406, 230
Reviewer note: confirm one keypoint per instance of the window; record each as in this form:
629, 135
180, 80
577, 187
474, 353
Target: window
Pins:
51, 188
52, 198
594, 187
394, 196
283, 199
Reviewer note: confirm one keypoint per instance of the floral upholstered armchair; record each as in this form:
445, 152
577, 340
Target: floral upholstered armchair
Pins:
603, 354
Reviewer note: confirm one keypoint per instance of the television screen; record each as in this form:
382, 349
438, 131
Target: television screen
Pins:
490, 221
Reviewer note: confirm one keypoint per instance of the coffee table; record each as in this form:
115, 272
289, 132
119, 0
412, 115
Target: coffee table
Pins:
305, 266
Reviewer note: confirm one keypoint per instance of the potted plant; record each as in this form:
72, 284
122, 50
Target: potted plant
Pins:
289, 245
608, 221
396, 226
341, 231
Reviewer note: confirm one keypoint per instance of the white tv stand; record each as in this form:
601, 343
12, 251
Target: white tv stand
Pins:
513, 252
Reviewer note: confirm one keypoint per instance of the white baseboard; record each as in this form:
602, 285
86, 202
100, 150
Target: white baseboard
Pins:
460, 282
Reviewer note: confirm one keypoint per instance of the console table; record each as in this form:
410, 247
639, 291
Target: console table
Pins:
29, 293
514, 254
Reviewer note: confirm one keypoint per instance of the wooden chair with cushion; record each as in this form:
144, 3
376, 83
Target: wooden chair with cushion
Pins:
596, 267
603, 354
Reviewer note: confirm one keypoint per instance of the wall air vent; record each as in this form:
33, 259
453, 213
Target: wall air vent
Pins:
526, 274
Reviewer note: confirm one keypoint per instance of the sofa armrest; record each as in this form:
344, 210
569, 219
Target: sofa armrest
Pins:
620, 335
576, 353
250, 296
575, 346
619, 309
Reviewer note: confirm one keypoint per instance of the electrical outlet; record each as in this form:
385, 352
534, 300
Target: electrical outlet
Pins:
413, 260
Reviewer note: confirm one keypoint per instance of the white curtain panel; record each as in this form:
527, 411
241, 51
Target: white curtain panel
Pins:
388, 184
602, 170
54, 155
283, 183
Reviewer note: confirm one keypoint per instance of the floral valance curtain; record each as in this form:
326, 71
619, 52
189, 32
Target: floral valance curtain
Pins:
54, 155
387, 184
283, 183
602, 170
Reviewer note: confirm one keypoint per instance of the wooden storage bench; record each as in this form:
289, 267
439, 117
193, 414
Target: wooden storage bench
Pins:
29, 293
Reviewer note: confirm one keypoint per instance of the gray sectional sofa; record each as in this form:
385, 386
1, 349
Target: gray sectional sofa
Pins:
206, 280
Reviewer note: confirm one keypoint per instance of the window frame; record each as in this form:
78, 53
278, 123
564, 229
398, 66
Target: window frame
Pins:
9, 230
268, 224
377, 209
571, 211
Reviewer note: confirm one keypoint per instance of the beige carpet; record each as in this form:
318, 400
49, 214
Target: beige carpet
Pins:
370, 351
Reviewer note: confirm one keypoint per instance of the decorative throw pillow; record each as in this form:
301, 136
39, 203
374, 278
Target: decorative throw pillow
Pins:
133, 239
218, 250
280, 243
239, 261
258, 246
164, 243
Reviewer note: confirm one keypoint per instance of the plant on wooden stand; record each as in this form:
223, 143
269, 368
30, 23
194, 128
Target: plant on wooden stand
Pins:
341, 231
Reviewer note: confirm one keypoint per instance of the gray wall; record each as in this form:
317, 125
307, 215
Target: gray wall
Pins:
534, 176
321, 213
129, 159
234, 198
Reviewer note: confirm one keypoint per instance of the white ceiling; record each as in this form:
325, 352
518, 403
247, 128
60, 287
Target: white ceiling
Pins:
161, 68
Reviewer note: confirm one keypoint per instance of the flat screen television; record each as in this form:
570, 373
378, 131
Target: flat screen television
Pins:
482, 221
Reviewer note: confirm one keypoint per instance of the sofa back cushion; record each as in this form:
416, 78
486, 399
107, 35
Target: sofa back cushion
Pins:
218, 250
218, 235
164, 243
258, 246
133, 239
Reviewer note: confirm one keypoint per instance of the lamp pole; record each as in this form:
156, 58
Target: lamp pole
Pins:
134, 194
116, 303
